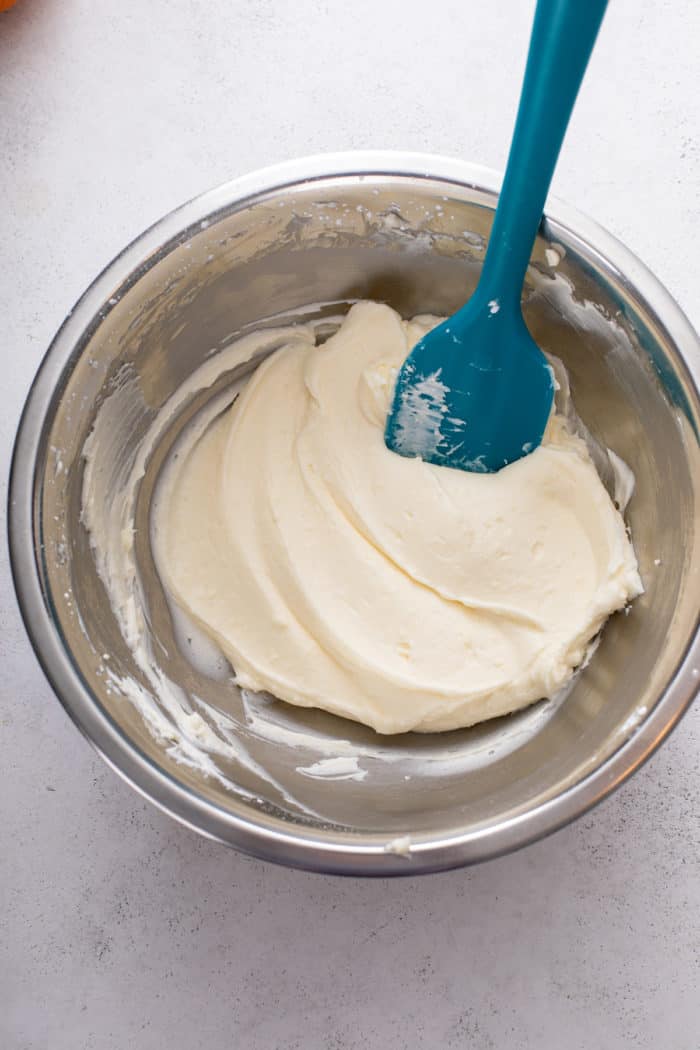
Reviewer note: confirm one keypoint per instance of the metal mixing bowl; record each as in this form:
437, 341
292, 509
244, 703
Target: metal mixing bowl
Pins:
409, 230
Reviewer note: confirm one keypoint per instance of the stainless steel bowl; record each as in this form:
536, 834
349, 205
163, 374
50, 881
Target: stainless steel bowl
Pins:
409, 230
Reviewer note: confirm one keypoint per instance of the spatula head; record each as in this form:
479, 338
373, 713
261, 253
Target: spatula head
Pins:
475, 393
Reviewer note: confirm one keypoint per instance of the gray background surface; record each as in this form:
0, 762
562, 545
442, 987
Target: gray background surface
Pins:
117, 927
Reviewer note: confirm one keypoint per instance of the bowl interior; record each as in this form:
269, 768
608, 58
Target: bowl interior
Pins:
310, 249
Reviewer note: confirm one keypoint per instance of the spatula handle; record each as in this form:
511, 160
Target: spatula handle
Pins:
563, 35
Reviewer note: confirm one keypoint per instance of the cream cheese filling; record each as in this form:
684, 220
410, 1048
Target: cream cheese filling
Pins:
336, 574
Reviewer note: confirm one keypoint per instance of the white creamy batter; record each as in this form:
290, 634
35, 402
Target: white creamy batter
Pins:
407, 596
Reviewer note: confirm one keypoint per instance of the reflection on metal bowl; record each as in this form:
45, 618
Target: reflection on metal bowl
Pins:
302, 787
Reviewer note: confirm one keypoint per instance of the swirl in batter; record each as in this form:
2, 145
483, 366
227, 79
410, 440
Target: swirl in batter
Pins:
336, 574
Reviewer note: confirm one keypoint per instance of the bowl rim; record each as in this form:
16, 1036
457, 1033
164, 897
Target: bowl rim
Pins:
258, 833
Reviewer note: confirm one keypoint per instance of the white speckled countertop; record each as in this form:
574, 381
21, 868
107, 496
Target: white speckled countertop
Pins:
118, 928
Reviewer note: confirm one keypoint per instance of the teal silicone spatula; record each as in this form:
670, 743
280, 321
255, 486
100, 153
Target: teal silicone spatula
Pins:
477, 391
